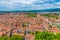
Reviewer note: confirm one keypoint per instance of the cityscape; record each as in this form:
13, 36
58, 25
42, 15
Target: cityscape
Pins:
28, 24
29, 19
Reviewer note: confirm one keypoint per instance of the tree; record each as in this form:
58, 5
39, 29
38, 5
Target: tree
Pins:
3, 38
31, 14
46, 36
23, 25
16, 37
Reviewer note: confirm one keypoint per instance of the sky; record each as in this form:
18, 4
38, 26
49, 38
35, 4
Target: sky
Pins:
11, 5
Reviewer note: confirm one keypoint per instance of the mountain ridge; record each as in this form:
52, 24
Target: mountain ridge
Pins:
45, 10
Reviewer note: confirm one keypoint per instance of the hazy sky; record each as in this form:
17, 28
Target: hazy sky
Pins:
9, 5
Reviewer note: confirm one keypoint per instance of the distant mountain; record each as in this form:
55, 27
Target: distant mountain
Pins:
45, 10
52, 10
